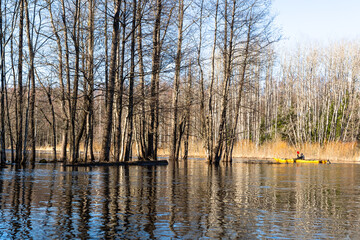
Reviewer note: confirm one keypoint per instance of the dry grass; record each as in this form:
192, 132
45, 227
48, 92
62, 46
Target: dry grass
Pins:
334, 151
97, 147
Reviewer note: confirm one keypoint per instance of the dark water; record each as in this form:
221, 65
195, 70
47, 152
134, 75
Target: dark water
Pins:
193, 201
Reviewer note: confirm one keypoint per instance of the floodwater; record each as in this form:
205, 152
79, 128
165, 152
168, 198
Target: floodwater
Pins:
189, 201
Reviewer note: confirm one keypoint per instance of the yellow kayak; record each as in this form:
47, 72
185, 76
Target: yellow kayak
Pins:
282, 160
310, 161
291, 160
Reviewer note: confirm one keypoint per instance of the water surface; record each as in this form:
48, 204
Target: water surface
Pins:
187, 201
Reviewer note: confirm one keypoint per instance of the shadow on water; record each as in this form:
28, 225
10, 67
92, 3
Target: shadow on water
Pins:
184, 200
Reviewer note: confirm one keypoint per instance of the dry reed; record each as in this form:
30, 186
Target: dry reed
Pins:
334, 151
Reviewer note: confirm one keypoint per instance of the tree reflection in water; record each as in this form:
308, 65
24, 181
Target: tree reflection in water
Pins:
185, 200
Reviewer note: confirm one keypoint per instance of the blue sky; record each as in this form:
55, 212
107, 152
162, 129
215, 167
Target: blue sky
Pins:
317, 20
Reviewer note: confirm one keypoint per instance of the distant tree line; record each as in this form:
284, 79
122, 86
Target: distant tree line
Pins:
124, 78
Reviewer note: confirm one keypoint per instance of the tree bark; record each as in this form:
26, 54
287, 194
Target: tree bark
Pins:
62, 88
228, 51
74, 96
120, 89
106, 139
90, 79
128, 150
152, 133
32, 138
175, 137
142, 135
2, 93
20, 107
209, 141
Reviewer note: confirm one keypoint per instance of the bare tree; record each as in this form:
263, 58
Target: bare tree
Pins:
153, 128
106, 139
20, 106
2, 93
130, 118
176, 137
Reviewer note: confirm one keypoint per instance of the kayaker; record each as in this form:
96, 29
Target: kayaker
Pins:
301, 156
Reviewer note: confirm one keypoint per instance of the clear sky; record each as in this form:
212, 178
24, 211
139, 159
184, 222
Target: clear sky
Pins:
317, 20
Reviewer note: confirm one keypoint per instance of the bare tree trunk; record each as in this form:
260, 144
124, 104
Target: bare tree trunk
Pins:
32, 87
210, 137
175, 138
152, 133
228, 50
203, 123
19, 127
142, 135
90, 79
2, 93
68, 86
106, 52
240, 90
26, 125
120, 89
128, 151
62, 88
188, 114
74, 95
13, 153
53, 124
106, 140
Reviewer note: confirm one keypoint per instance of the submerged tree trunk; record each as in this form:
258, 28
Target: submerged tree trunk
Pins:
120, 87
66, 130
130, 120
20, 106
142, 121
2, 93
74, 151
187, 115
176, 137
240, 90
106, 139
62, 89
90, 80
228, 51
32, 138
209, 131
152, 133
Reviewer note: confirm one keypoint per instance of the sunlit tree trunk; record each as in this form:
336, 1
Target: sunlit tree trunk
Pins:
210, 136
120, 88
32, 138
142, 122
240, 91
130, 116
106, 139
228, 51
74, 153
62, 88
175, 137
152, 133
90, 79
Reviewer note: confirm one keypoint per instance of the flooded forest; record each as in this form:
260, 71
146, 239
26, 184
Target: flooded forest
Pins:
112, 81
